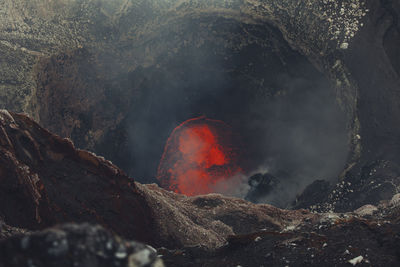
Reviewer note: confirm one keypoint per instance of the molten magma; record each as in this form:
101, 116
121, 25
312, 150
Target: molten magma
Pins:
199, 156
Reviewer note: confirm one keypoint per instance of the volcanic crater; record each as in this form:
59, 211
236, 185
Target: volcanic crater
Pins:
222, 133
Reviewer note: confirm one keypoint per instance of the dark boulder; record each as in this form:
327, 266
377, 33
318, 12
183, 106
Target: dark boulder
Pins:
314, 193
260, 186
75, 245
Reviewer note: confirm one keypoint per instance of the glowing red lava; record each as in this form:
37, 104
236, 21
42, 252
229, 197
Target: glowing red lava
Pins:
199, 153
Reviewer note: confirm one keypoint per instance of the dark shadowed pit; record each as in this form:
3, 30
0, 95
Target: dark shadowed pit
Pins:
281, 107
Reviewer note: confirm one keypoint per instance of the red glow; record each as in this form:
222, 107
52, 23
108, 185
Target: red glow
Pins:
199, 153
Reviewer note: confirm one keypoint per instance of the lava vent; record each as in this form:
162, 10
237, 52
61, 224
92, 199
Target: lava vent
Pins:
200, 156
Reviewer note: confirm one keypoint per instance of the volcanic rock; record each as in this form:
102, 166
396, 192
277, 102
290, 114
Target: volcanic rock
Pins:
45, 180
260, 186
7, 231
335, 240
75, 245
209, 219
369, 184
314, 193
40, 171
90, 70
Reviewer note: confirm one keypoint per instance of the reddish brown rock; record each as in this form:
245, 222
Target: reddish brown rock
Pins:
45, 180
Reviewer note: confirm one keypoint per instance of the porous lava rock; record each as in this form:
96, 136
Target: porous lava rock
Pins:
371, 184
336, 240
75, 245
208, 220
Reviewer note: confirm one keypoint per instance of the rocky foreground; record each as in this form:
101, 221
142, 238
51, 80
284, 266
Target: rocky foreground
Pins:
45, 181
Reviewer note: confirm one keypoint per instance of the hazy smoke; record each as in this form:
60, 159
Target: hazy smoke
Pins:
306, 138
236, 186
282, 108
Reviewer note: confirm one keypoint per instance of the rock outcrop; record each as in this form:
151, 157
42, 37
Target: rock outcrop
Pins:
371, 239
46, 180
